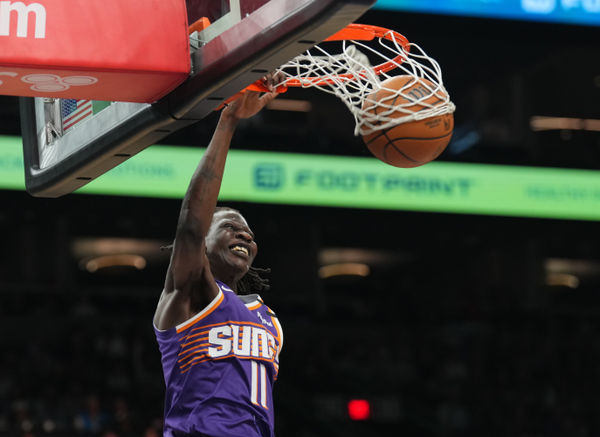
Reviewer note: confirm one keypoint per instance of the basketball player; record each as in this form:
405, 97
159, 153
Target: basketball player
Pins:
220, 346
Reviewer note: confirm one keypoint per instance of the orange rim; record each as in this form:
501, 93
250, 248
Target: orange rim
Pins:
361, 32
357, 32
353, 31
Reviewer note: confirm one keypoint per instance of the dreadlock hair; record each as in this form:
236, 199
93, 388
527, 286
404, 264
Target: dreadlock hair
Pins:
252, 281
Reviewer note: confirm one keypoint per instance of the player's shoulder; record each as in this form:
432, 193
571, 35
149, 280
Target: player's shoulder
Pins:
251, 300
254, 301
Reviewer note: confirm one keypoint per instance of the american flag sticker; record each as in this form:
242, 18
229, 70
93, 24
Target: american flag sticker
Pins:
75, 111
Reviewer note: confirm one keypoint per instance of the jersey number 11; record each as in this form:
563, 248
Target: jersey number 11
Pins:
258, 384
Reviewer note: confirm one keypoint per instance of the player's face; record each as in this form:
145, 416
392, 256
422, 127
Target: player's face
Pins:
230, 242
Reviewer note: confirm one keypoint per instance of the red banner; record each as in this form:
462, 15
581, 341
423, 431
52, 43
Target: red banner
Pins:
117, 50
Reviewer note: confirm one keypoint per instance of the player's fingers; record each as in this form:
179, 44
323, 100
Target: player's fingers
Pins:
268, 97
278, 78
253, 96
271, 80
267, 81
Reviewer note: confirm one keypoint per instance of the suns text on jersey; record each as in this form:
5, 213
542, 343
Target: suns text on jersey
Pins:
246, 341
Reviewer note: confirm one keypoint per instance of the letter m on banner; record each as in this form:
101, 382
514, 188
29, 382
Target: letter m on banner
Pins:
23, 13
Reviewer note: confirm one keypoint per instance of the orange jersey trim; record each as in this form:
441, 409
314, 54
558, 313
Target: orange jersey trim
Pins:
202, 336
202, 314
186, 353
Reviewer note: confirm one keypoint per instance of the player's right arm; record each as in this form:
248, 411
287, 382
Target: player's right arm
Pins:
189, 284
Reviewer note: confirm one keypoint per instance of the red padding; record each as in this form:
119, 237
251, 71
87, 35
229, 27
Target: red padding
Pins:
119, 50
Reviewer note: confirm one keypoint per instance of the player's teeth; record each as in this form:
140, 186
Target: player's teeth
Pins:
241, 249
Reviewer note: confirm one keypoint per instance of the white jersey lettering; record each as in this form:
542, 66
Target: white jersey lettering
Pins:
223, 343
244, 349
243, 341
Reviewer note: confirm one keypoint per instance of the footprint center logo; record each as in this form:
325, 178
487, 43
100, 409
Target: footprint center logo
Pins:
268, 176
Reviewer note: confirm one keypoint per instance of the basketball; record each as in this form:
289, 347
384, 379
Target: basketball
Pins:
413, 143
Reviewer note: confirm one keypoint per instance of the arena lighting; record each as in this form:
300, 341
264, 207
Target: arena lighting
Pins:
91, 247
581, 268
291, 105
562, 280
372, 257
567, 272
344, 269
359, 409
539, 123
123, 260
578, 267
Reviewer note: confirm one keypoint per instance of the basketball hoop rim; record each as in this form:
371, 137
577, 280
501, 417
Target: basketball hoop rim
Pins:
368, 32
352, 32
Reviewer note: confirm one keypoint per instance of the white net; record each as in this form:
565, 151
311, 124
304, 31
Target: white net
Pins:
358, 75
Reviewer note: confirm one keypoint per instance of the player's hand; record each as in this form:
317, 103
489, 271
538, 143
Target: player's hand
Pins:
248, 103
271, 80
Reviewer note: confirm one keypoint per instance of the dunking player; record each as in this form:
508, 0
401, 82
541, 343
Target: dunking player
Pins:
220, 346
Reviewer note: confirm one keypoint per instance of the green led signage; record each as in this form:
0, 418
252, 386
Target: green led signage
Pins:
285, 178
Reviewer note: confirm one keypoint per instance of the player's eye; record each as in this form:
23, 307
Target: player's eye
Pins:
232, 226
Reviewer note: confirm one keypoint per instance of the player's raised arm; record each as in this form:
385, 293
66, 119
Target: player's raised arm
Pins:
189, 285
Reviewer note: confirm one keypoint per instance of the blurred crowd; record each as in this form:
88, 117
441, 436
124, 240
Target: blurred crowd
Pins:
92, 368
522, 375
78, 368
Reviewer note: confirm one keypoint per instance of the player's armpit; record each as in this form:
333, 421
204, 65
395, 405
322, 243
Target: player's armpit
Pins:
187, 291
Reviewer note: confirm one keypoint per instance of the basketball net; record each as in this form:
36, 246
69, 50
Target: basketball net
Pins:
367, 54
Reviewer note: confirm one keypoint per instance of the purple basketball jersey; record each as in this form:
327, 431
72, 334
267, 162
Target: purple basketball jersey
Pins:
220, 367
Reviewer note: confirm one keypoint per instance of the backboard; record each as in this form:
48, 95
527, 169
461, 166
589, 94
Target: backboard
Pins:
68, 142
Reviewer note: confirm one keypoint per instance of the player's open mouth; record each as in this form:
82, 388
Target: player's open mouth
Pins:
240, 249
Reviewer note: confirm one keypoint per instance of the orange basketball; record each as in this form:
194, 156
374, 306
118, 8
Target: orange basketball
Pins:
413, 143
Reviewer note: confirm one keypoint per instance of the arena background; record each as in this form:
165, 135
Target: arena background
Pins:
461, 328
